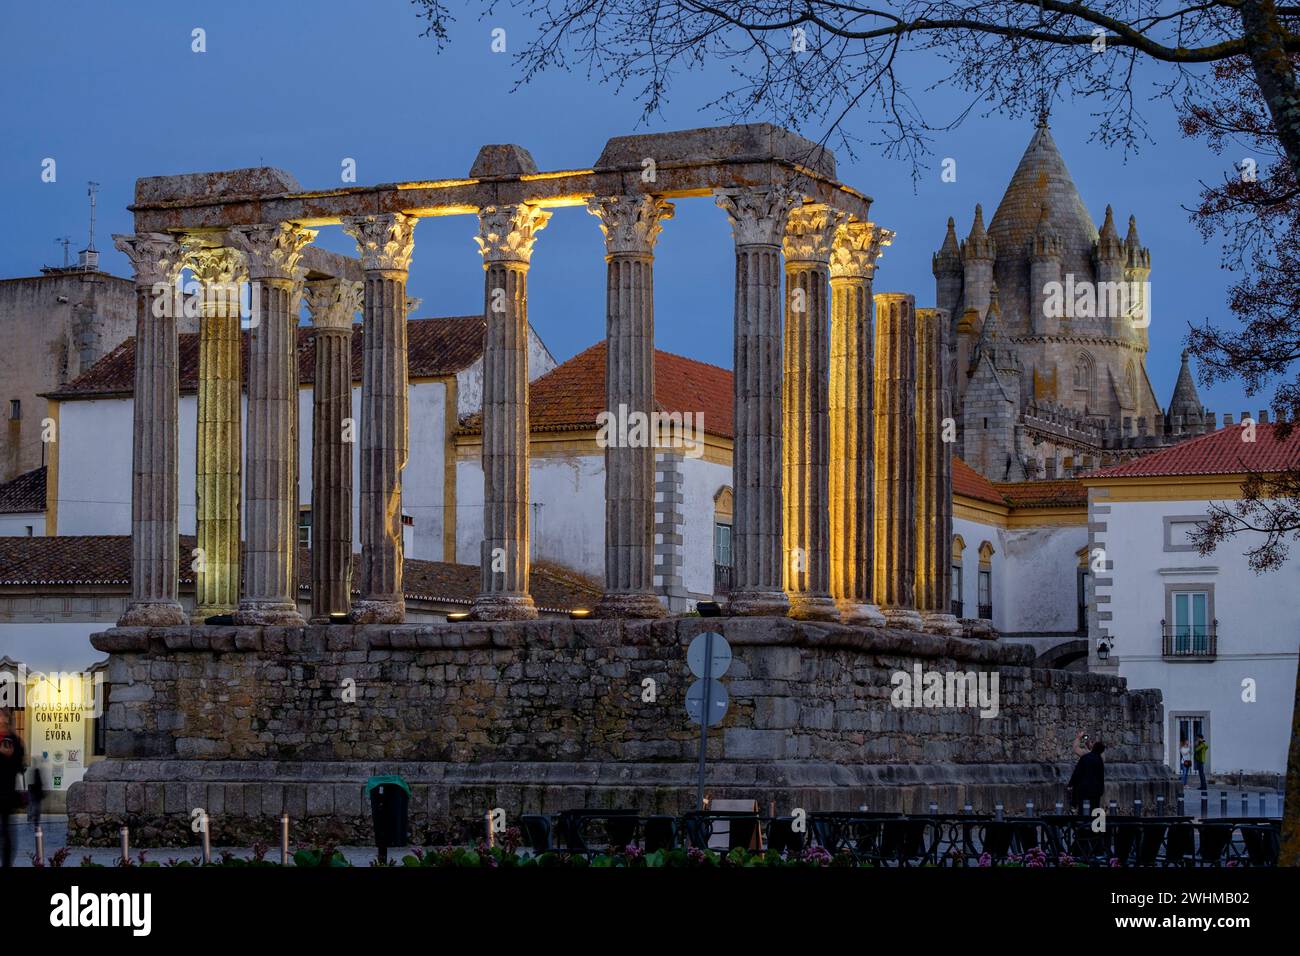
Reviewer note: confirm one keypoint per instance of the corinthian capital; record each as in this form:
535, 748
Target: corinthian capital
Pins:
384, 242
757, 213
273, 249
810, 231
155, 256
333, 302
507, 233
857, 247
631, 223
214, 265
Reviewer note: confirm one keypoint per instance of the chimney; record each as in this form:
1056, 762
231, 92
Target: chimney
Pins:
1263, 416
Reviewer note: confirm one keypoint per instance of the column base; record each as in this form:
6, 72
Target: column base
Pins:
862, 615
756, 603
813, 607
903, 618
378, 611
630, 604
935, 622
152, 614
503, 607
268, 614
201, 614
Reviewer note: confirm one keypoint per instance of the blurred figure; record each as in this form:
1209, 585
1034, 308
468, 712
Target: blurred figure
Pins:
1202, 755
1185, 759
11, 767
35, 791
1089, 779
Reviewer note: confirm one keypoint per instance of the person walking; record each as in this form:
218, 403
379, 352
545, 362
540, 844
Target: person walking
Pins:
1089, 779
11, 765
35, 792
1185, 759
1202, 755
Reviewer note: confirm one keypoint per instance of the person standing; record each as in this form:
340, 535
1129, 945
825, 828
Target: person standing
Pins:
11, 766
35, 792
1185, 759
1202, 755
1089, 779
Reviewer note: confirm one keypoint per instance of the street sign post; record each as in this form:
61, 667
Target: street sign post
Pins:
709, 657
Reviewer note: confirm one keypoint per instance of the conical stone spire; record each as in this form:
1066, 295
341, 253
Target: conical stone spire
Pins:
1185, 402
978, 244
948, 258
1108, 244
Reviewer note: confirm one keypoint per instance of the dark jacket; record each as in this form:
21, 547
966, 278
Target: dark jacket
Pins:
12, 763
1088, 779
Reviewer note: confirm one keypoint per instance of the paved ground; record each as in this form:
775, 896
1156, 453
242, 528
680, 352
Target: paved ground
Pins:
56, 831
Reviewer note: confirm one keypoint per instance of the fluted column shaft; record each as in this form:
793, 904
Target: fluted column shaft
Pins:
809, 232
385, 243
219, 432
271, 491
758, 218
933, 474
895, 473
332, 303
157, 260
852, 421
631, 223
506, 238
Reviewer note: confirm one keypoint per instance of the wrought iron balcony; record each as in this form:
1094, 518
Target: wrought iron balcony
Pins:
721, 579
956, 609
1194, 642
986, 612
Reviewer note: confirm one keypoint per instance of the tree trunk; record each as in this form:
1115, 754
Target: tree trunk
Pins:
1274, 73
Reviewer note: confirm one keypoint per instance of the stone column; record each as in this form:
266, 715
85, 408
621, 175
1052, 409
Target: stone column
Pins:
332, 303
385, 243
852, 422
758, 216
895, 478
270, 584
218, 442
506, 238
631, 224
809, 232
157, 260
934, 474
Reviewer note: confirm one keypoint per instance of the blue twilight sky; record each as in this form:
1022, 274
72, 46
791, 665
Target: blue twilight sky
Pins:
112, 91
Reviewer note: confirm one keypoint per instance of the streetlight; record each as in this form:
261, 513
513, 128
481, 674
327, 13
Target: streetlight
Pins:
1103, 650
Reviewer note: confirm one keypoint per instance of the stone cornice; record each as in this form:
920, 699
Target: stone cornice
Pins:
272, 249
156, 257
508, 233
758, 213
631, 223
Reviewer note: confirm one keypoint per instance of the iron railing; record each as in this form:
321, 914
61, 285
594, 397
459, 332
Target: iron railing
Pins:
1189, 641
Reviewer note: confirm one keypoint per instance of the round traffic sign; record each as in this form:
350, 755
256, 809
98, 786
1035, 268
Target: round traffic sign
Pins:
721, 654
717, 702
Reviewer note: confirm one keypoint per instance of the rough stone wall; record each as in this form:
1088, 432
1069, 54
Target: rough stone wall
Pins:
544, 715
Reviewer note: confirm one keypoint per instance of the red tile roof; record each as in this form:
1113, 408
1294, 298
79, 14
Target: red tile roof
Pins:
24, 494
969, 483
106, 560
1221, 452
1052, 493
571, 395
441, 346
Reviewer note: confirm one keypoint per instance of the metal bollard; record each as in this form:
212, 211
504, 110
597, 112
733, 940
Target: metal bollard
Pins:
1112, 809
1029, 808
491, 837
934, 809
1263, 805
1160, 805
997, 811
284, 839
1060, 808
40, 847
1245, 804
1137, 808
1182, 806
968, 809
1205, 804
1087, 808
126, 846
207, 840
1223, 803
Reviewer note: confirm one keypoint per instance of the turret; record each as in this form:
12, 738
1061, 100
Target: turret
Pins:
1185, 406
1137, 272
977, 254
947, 267
1045, 293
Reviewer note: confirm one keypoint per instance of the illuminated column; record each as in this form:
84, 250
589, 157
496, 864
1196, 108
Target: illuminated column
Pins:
809, 231
895, 478
934, 474
332, 303
217, 444
631, 224
270, 585
506, 238
852, 424
385, 243
157, 260
758, 216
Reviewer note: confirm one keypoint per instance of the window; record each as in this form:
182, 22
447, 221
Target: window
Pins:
956, 591
724, 504
1177, 531
30, 529
15, 409
1081, 587
304, 527
986, 594
1189, 627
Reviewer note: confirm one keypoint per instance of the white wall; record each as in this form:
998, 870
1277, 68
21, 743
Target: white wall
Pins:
1258, 633
974, 533
1040, 590
701, 480
16, 525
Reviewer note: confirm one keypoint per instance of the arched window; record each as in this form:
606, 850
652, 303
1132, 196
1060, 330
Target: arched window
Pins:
723, 508
958, 588
1131, 380
1083, 366
985, 581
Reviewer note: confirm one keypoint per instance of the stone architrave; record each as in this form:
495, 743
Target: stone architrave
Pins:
809, 233
218, 442
157, 260
332, 304
895, 473
385, 244
506, 238
631, 224
758, 215
852, 423
934, 474
270, 583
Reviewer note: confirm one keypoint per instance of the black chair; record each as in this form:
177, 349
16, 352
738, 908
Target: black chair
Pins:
537, 832
1089, 845
995, 839
660, 833
907, 841
1213, 844
1263, 844
1180, 844
782, 837
1151, 842
1126, 837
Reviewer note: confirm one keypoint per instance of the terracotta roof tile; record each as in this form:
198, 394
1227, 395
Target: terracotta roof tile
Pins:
106, 560
434, 347
24, 494
572, 394
969, 483
1058, 492
1220, 452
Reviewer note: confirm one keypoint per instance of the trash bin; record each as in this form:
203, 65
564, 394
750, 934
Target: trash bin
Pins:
389, 798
